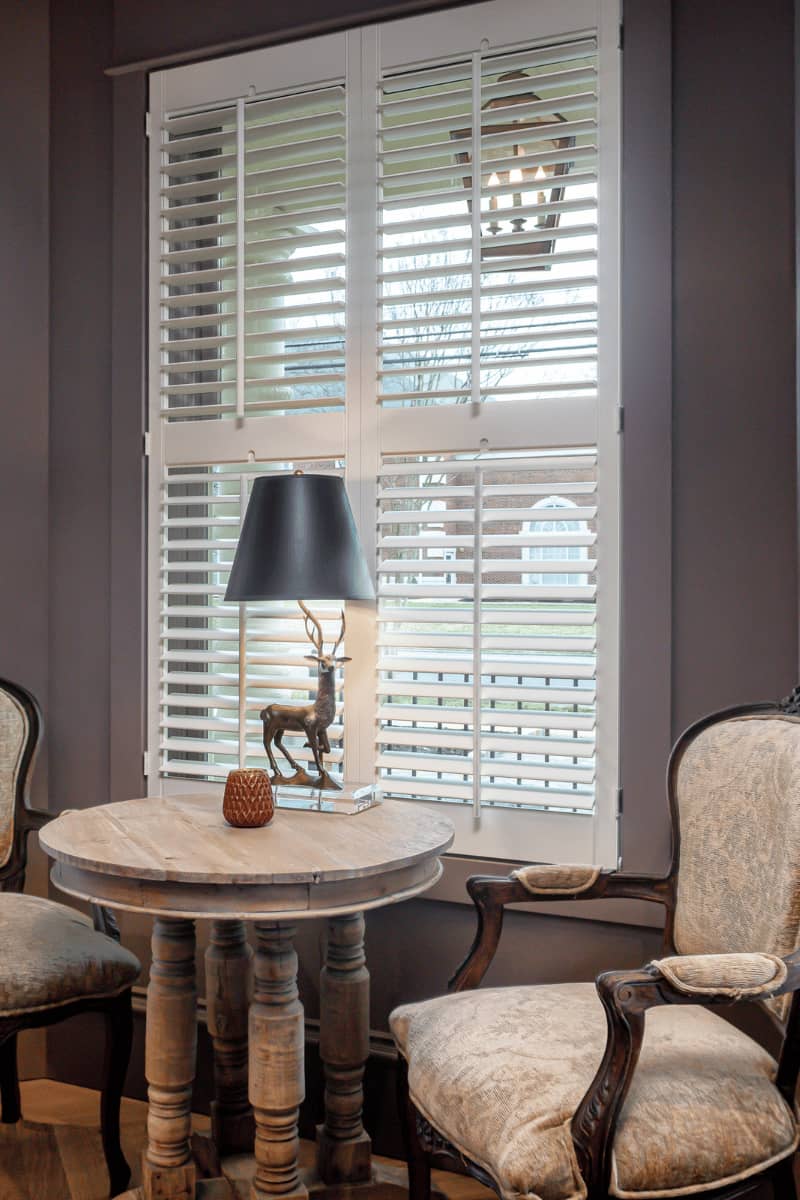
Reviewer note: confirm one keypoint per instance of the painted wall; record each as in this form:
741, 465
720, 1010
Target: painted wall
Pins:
24, 416
725, 629
24, 300
734, 530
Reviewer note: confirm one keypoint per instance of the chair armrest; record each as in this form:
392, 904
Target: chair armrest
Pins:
703, 979
490, 894
729, 977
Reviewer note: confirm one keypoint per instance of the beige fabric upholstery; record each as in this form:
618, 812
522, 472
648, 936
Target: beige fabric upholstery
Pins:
500, 1071
13, 732
51, 955
557, 878
738, 793
733, 975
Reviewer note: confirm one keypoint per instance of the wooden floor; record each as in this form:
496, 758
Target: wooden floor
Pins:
54, 1153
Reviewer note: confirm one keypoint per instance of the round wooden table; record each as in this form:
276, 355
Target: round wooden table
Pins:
175, 858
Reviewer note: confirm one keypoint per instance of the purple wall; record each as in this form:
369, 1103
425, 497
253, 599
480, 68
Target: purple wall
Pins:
24, 437
735, 528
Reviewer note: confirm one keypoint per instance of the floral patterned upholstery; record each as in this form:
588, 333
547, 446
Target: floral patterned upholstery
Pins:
567, 879
738, 794
51, 955
500, 1071
13, 734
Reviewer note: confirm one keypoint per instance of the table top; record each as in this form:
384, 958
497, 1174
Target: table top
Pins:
176, 855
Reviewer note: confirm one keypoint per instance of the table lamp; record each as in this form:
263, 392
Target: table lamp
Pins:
299, 542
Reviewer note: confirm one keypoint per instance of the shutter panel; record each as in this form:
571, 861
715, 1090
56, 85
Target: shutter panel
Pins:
198, 263
253, 253
295, 252
491, 664
220, 664
536, 185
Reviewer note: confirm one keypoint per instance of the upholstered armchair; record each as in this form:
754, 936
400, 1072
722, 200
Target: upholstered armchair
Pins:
54, 963
634, 1086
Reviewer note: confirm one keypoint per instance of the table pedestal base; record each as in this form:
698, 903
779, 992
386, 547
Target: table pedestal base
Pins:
388, 1182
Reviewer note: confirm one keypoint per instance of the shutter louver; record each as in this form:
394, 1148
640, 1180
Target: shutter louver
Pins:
493, 663
222, 663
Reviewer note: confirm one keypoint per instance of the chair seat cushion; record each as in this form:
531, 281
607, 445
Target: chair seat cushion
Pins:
51, 955
500, 1072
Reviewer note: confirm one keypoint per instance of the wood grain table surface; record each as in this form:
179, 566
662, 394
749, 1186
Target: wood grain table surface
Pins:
175, 855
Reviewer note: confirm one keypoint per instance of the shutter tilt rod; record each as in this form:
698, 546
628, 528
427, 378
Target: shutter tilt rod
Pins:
477, 585
475, 324
240, 265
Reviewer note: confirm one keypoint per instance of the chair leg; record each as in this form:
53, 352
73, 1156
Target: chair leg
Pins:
119, 1035
419, 1163
9, 1080
783, 1180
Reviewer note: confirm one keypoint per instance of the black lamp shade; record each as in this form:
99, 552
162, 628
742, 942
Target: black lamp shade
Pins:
299, 542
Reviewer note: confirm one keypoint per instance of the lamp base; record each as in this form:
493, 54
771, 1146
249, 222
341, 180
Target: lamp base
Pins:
351, 798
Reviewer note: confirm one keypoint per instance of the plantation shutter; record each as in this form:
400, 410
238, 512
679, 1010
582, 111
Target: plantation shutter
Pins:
487, 630
405, 271
252, 211
518, 320
222, 663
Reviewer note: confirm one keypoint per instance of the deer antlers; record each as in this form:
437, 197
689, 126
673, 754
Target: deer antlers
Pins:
340, 638
314, 631
310, 620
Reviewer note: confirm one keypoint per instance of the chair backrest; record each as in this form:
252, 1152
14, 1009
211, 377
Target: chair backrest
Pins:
20, 724
735, 791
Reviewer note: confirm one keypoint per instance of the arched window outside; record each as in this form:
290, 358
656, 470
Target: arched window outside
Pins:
557, 551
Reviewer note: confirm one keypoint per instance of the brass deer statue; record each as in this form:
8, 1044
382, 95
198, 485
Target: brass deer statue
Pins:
311, 719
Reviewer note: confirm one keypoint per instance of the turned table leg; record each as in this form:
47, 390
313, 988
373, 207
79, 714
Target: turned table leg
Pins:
344, 1145
170, 1051
228, 975
277, 1085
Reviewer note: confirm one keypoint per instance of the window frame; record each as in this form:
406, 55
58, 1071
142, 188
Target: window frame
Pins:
429, 429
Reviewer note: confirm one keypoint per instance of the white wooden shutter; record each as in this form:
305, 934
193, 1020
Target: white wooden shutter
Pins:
394, 252
487, 663
253, 220
519, 318
221, 663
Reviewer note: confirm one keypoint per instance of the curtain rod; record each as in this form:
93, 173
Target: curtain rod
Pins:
383, 12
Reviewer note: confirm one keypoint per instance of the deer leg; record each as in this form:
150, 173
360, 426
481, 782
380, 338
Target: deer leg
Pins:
313, 742
269, 734
279, 743
324, 744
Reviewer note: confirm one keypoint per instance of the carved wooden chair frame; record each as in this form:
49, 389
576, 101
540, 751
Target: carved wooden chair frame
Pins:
117, 1010
626, 996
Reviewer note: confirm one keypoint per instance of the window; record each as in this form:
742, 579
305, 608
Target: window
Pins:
404, 271
556, 539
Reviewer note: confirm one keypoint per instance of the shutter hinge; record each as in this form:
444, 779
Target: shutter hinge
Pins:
148, 125
620, 418
146, 444
621, 41
619, 802
146, 763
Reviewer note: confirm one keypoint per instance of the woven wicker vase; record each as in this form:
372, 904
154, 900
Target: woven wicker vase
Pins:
248, 799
